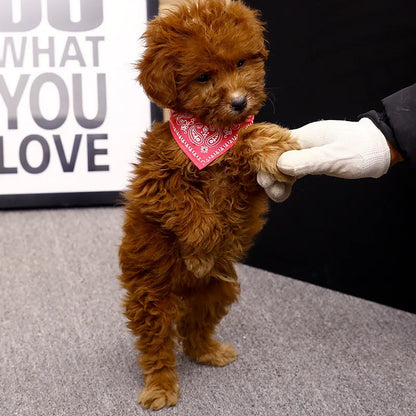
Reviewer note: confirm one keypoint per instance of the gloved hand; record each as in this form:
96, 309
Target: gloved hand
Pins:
345, 149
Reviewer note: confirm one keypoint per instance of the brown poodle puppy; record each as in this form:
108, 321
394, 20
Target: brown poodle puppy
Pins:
184, 226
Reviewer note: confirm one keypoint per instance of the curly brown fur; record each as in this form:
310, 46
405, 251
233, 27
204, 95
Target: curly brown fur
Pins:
185, 228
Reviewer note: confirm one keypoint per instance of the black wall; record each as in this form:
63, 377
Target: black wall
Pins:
335, 60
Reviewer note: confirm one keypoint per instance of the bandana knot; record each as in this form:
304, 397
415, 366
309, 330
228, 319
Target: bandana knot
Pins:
201, 143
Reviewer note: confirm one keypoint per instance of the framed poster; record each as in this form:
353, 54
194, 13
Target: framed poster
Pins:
71, 111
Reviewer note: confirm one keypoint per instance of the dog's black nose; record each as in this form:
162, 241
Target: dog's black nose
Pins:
239, 103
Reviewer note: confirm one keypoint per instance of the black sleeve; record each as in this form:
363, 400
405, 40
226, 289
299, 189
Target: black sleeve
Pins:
397, 121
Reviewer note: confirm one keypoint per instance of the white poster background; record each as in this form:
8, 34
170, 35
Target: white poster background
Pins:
110, 49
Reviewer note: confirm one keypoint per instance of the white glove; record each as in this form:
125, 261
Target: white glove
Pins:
277, 191
345, 149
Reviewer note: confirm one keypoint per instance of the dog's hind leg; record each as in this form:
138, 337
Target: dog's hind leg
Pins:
150, 307
203, 311
151, 316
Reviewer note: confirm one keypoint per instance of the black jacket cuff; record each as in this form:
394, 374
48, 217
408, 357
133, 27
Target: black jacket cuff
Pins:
397, 121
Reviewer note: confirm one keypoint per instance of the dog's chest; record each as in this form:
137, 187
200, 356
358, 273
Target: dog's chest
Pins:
220, 192
230, 197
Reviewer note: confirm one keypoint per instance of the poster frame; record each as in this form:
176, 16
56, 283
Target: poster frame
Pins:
78, 199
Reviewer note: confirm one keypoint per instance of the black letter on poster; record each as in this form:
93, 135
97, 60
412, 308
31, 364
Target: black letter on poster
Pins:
59, 14
37, 115
67, 166
30, 16
12, 101
83, 121
92, 152
3, 169
45, 151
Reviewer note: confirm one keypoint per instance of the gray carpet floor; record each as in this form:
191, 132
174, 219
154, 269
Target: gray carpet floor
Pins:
65, 350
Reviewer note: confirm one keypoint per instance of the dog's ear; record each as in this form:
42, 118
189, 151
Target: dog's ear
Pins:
264, 53
156, 68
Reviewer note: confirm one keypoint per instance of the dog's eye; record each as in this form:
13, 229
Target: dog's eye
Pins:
203, 78
241, 63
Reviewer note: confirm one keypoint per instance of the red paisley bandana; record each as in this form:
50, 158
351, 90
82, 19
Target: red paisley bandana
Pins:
201, 143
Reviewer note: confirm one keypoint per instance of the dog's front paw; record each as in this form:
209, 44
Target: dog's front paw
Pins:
199, 266
155, 397
267, 142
